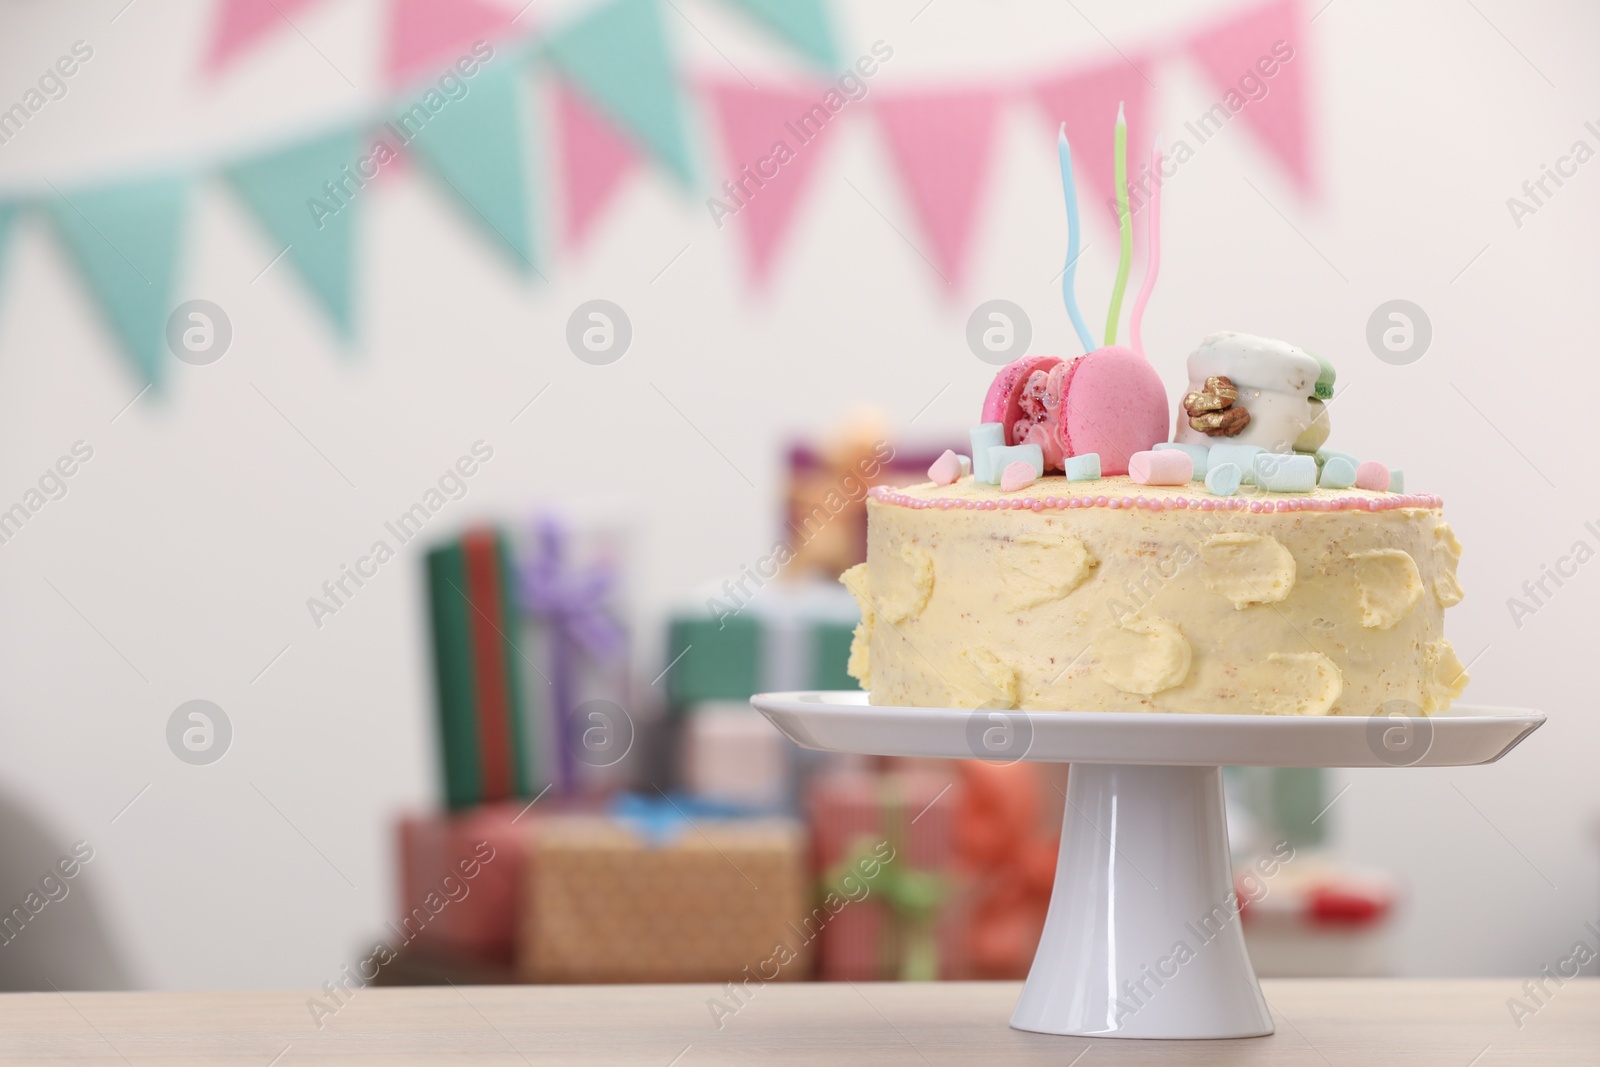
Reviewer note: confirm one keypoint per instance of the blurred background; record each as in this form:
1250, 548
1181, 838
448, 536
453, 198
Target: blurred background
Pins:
399, 380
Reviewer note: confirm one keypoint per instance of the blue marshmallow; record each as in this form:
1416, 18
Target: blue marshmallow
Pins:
985, 436
1002, 456
1397, 481
1241, 456
1325, 454
1084, 468
1337, 473
1277, 473
1199, 453
1222, 479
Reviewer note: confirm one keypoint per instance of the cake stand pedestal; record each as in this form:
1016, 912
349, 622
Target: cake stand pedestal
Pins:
1142, 938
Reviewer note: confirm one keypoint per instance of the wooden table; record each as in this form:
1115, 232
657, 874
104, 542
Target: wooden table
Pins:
1320, 1024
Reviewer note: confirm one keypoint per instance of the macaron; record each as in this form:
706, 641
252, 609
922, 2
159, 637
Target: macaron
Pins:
1020, 399
1115, 405
1110, 402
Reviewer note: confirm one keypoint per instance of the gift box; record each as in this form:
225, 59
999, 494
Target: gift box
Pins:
782, 636
584, 719
477, 670
908, 921
469, 867
1305, 916
675, 898
1007, 833
729, 752
1271, 804
825, 500
462, 876
531, 663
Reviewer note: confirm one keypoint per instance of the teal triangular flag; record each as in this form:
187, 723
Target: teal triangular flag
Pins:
8, 215
307, 196
475, 146
802, 23
125, 239
617, 56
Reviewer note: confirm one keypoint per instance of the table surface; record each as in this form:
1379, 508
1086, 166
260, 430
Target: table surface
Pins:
1319, 1024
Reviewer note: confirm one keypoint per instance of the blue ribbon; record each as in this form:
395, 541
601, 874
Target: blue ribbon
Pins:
664, 818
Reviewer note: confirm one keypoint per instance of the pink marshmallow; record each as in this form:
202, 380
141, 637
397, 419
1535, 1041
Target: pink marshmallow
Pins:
1372, 475
1018, 475
946, 469
1166, 467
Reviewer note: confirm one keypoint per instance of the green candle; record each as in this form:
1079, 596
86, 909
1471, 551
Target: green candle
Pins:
1125, 223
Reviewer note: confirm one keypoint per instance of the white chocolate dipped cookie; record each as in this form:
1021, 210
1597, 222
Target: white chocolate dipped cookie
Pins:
1272, 383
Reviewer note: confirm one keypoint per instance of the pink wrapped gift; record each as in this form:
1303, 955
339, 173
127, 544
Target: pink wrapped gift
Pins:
459, 880
882, 848
461, 877
731, 753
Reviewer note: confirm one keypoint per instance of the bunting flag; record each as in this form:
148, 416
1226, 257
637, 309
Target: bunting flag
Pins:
942, 144
474, 145
306, 196
804, 24
1256, 60
619, 101
1087, 102
426, 36
595, 158
8, 215
125, 239
616, 55
773, 141
239, 24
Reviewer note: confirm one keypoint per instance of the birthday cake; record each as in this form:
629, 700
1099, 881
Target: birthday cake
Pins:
1079, 560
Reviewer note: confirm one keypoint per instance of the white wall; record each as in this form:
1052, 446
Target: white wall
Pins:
181, 559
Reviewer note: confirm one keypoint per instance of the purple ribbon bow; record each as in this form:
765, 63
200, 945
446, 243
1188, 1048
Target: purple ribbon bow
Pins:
573, 605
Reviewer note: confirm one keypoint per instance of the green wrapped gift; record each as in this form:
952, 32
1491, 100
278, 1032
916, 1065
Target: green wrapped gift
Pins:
787, 636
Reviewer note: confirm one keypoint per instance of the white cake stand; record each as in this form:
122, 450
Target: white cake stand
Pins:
1144, 866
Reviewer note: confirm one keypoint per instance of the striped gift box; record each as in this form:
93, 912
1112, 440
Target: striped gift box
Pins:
477, 670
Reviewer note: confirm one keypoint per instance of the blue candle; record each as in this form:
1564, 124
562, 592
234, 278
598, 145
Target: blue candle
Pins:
1069, 294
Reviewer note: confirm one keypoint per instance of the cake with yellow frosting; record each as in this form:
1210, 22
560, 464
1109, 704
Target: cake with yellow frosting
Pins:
1108, 595
1240, 567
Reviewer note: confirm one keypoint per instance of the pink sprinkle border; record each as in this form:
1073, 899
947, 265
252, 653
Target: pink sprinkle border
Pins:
887, 495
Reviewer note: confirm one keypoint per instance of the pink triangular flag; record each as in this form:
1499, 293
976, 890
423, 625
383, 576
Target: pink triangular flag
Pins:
595, 158
425, 36
772, 141
942, 143
1087, 102
240, 23
1244, 48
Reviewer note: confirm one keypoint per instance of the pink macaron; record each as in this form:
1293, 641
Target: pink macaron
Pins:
1110, 402
1116, 406
1020, 399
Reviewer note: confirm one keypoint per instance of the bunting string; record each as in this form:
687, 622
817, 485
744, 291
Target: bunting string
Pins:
462, 110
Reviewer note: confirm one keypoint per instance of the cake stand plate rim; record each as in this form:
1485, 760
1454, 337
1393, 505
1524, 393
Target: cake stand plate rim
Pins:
842, 721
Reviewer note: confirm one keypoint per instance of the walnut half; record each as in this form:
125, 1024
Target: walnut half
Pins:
1211, 410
